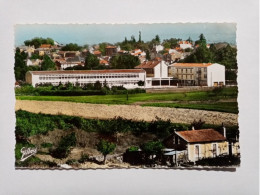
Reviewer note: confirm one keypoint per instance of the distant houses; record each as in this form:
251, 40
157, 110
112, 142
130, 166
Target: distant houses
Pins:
162, 71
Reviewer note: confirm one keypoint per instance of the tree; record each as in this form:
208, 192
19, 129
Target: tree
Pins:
97, 85
140, 83
105, 148
201, 41
148, 56
91, 62
140, 39
152, 148
71, 47
47, 63
133, 39
102, 48
124, 61
20, 67
38, 41
227, 56
157, 39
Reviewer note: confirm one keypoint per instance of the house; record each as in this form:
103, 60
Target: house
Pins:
197, 144
70, 62
110, 50
97, 53
185, 44
198, 74
113, 77
156, 73
45, 46
33, 62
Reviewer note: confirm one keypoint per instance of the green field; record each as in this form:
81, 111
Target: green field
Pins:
184, 99
230, 107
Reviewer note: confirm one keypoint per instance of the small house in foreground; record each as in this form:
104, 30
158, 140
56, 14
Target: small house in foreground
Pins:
198, 144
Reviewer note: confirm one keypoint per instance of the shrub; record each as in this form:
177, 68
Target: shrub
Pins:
46, 145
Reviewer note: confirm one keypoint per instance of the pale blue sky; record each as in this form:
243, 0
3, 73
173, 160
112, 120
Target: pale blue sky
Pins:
97, 33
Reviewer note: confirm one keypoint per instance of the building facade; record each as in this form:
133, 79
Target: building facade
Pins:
114, 77
156, 74
198, 144
197, 74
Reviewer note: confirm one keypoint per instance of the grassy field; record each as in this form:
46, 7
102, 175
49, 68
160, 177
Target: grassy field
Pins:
226, 93
160, 99
230, 107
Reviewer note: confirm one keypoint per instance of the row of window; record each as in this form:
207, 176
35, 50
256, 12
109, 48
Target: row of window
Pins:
190, 77
53, 77
109, 82
189, 70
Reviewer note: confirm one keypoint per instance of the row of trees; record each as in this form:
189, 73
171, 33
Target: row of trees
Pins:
38, 41
20, 67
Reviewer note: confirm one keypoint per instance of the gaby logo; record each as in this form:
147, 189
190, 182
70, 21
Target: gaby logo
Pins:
27, 152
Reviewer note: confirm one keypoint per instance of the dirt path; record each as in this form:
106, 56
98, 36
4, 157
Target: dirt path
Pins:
135, 112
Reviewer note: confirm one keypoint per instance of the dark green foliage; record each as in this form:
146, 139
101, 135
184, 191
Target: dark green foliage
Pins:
97, 85
105, 148
83, 158
124, 62
71, 47
170, 43
152, 147
222, 161
38, 41
78, 67
28, 124
133, 149
92, 62
140, 83
161, 128
47, 63
63, 149
20, 67
71, 162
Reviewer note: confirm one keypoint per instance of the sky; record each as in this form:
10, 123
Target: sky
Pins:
97, 33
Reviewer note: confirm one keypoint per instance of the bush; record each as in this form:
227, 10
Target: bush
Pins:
63, 149
46, 145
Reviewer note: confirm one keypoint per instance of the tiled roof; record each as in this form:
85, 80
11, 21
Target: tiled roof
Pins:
191, 64
97, 52
148, 64
203, 135
45, 46
110, 46
87, 71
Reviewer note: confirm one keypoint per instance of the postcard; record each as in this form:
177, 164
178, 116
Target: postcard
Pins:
109, 96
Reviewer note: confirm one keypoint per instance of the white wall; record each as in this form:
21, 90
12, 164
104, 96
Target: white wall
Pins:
161, 70
215, 73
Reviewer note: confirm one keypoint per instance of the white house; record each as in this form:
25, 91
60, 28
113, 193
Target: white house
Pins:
198, 74
156, 73
113, 77
185, 44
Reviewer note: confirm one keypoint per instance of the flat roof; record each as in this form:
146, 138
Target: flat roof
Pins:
88, 71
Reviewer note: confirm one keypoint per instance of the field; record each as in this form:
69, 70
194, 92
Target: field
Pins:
223, 100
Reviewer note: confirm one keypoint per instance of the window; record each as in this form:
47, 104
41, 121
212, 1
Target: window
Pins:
214, 150
179, 140
173, 140
197, 152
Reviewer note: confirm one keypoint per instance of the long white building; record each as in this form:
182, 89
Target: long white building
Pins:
113, 77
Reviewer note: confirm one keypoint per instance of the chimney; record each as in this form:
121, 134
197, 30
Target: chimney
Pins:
224, 131
193, 128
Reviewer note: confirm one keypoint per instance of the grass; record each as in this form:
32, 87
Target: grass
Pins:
226, 93
230, 107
